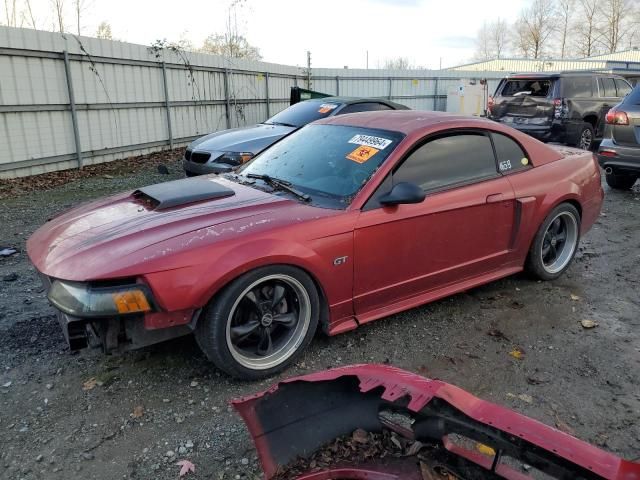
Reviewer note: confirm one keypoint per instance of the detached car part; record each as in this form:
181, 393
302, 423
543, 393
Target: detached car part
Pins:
461, 436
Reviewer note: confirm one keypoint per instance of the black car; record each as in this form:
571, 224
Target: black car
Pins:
567, 107
222, 151
619, 152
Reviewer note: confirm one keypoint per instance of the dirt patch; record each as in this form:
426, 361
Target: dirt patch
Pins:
37, 183
87, 415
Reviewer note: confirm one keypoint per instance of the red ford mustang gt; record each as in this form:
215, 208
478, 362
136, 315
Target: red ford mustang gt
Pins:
348, 220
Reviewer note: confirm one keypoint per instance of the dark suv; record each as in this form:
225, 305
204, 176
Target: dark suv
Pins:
619, 152
567, 107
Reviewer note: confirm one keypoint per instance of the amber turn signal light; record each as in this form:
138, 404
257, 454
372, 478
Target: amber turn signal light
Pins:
131, 301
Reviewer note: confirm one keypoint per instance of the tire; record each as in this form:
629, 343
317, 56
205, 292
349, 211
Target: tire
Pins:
268, 338
620, 182
190, 174
562, 222
585, 138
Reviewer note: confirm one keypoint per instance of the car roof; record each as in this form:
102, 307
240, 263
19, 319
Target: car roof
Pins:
353, 100
567, 73
404, 121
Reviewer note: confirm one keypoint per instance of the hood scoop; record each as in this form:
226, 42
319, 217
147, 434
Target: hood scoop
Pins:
162, 196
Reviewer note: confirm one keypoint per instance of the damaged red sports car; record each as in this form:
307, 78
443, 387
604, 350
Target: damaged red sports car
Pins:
348, 220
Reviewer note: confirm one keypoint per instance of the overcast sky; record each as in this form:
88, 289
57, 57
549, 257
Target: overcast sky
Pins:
338, 32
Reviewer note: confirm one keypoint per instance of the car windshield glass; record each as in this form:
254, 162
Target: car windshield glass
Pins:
302, 113
330, 163
529, 87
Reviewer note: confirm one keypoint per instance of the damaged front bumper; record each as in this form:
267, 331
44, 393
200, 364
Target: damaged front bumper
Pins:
113, 332
460, 436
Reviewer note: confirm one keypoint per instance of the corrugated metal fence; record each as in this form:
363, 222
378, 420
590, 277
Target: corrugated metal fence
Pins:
69, 101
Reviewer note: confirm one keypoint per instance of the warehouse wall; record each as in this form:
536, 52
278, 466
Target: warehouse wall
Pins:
130, 99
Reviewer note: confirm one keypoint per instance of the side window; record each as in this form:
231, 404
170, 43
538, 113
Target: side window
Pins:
623, 87
449, 160
577, 87
511, 157
607, 87
364, 107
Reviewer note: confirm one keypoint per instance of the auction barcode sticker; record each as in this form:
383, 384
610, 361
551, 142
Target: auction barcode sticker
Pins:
371, 141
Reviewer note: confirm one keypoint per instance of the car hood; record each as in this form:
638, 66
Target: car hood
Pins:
102, 238
254, 139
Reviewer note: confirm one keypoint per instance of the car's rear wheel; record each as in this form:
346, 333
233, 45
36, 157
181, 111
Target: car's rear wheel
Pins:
585, 138
555, 243
261, 322
620, 182
190, 174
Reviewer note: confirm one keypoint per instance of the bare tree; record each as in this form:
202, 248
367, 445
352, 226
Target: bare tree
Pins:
492, 40
587, 30
104, 31
534, 28
27, 15
616, 23
231, 43
58, 12
397, 63
11, 12
483, 43
79, 7
565, 13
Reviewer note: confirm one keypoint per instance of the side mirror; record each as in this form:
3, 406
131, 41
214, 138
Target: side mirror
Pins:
403, 192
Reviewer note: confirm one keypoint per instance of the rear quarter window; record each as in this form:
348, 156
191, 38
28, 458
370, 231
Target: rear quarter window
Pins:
510, 155
622, 87
530, 87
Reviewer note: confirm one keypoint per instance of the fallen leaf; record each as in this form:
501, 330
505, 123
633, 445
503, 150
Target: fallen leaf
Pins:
485, 449
575, 298
7, 385
588, 323
89, 384
138, 412
525, 398
517, 353
186, 467
360, 436
426, 472
414, 448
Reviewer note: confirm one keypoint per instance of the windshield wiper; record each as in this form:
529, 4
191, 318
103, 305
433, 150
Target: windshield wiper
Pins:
278, 184
282, 124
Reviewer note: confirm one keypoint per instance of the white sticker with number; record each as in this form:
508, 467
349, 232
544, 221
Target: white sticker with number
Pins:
506, 165
371, 141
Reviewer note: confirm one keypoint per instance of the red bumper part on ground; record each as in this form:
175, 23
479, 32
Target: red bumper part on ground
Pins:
463, 436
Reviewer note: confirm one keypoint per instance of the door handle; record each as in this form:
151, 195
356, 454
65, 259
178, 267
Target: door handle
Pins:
495, 198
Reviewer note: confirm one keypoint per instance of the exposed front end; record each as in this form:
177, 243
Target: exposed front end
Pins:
115, 316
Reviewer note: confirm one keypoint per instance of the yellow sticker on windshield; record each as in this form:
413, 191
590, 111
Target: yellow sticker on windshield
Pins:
362, 154
524, 161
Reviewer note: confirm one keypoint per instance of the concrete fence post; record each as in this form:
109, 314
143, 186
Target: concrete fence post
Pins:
227, 100
390, 86
435, 95
166, 104
266, 87
337, 86
72, 104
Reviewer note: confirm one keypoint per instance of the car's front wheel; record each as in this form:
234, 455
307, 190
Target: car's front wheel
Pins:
555, 243
620, 182
261, 322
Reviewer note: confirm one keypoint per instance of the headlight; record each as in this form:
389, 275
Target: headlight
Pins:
84, 300
235, 158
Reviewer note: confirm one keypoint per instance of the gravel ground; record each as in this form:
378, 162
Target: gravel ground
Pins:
86, 415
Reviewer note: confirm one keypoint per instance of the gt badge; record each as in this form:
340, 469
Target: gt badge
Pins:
340, 261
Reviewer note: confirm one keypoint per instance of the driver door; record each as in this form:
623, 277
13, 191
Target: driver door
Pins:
461, 230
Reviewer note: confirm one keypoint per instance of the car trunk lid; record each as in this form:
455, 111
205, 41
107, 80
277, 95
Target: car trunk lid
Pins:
628, 135
520, 100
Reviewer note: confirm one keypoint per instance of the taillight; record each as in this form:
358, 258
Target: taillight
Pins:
616, 117
559, 108
490, 104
